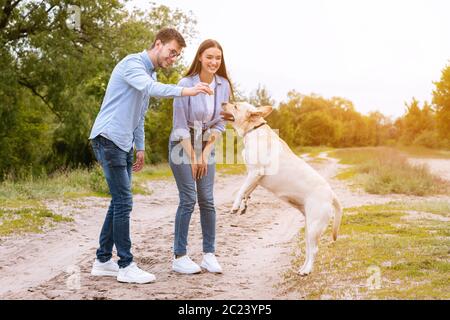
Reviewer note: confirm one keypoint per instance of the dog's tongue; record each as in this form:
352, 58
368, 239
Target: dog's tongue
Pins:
227, 116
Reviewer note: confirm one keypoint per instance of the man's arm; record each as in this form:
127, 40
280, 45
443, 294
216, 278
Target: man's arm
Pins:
136, 76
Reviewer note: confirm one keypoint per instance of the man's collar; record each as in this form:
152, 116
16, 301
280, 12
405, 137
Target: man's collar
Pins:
147, 61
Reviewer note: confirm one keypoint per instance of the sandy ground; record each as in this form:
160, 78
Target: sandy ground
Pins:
254, 249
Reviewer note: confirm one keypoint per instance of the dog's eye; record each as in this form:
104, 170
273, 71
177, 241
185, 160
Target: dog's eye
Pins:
235, 107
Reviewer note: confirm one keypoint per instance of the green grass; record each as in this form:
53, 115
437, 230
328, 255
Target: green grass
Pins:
384, 170
422, 152
346, 174
411, 256
153, 172
75, 183
21, 202
231, 169
22, 220
312, 151
78, 182
317, 160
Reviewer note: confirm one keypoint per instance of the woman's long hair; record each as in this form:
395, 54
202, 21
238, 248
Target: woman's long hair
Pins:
196, 65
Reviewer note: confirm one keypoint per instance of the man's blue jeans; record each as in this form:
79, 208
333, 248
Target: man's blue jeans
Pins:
117, 167
190, 191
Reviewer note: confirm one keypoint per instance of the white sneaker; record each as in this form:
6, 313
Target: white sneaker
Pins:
133, 274
108, 268
210, 263
184, 264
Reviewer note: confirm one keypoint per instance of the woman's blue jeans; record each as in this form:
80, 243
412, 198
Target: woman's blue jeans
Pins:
191, 191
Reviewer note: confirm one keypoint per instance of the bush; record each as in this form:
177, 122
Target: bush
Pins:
429, 139
384, 170
97, 181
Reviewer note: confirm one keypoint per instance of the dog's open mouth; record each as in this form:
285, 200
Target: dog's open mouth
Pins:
227, 116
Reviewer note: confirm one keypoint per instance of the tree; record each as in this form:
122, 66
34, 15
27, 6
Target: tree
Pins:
441, 98
54, 77
379, 128
416, 121
318, 128
261, 97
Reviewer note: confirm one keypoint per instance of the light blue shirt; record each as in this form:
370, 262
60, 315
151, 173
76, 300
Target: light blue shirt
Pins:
122, 114
192, 112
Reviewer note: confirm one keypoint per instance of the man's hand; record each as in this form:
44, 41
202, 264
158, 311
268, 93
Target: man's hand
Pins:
200, 87
139, 164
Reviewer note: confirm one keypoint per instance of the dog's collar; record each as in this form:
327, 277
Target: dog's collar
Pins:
254, 128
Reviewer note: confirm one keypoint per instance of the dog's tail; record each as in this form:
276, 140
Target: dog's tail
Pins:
337, 216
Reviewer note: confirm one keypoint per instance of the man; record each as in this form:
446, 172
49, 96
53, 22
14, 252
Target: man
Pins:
119, 125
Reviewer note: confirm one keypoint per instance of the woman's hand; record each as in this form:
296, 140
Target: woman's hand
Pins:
202, 167
194, 169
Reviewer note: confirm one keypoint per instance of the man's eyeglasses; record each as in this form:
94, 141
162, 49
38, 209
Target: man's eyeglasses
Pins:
174, 53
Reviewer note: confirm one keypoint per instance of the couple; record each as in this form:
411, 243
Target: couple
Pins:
196, 122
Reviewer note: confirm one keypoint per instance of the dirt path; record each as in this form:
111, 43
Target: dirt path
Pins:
254, 249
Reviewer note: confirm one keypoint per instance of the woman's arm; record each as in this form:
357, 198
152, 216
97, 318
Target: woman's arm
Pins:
219, 127
181, 128
216, 132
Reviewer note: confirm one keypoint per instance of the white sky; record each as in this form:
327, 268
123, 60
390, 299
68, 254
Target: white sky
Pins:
378, 54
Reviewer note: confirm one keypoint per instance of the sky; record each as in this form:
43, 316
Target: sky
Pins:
378, 54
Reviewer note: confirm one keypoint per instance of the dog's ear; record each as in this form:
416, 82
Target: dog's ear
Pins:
263, 112
266, 110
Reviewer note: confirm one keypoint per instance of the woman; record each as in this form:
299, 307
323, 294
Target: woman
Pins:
197, 124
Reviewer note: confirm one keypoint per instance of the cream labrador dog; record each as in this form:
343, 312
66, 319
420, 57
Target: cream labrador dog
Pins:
272, 164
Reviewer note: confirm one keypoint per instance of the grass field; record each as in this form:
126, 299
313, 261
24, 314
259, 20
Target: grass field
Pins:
390, 251
22, 206
384, 170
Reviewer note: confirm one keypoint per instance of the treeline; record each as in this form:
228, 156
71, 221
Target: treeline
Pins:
311, 120
53, 79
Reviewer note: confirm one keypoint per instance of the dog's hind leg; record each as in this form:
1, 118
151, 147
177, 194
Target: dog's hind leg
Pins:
317, 217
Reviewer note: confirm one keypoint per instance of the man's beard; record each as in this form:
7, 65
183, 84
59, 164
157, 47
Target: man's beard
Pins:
160, 61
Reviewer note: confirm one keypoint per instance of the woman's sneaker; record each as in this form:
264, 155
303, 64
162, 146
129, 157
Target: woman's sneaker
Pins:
133, 274
210, 263
185, 265
108, 268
